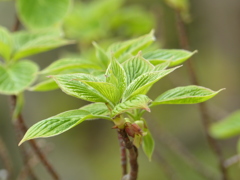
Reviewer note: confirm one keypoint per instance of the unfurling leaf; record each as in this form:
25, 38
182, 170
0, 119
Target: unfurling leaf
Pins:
17, 77
143, 83
39, 14
135, 67
102, 56
185, 95
148, 145
228, 127
58, 124
175, 56
137, 102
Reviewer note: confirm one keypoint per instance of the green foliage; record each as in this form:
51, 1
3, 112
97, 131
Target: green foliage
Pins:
97, 20
39, 14
118, 90
175, 57
228, 127
185, 95
5, 43
16, 77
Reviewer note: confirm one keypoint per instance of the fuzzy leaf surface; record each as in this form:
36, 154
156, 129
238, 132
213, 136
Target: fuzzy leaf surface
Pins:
227, 128
39, 14
26, 44
17, 77
5, 43
117, 76
135, 67
137, 102
185, 95
67, 64
176, 57
57, 124
148, 145
72, 85
96, 109
132, 46
143, 83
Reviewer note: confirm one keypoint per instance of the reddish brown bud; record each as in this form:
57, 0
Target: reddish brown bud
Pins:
132, 129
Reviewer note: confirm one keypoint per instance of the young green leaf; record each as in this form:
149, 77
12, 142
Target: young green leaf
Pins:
58, 124
135, 67
185, 95
46, 85
17, 77
116, 75
132, 46
107, 90
67, 64
102, 56
137, 102
71, 84
162, 66
5, 43
228, 127
176, 57
148, 145
26, 44
96, 109
39, 14
143, 83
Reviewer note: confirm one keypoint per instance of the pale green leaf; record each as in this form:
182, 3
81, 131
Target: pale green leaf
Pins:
26, 44
58, 124
143, 83
175, 56
135, 67
96, 109
67, 64
102, 56
5, 43
71, 84
46, 85
116, 75
137, 102
148, 145
107, 90
39, 14
162, 66
132, 46
228, 127
185, 95
16, 77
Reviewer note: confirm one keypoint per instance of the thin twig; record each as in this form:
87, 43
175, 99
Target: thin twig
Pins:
34, 145
183, 39
232, 160
133, 154
6, 159
178, 148
123, 155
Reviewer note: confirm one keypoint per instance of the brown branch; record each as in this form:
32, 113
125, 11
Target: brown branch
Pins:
205, 118
232, 160
123, 155
133, 155
33, 143
6, 159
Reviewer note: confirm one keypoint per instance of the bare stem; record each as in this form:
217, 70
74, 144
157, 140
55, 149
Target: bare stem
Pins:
232, 160
33, 143
5, 157
133, 154
183, 39
123, 155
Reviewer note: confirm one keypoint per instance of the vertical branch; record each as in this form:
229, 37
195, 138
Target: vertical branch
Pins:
133, 155
5, 157
21, 126
183, 39
123, 155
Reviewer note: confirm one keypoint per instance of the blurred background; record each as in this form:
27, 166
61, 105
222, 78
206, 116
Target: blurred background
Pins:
91, 151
